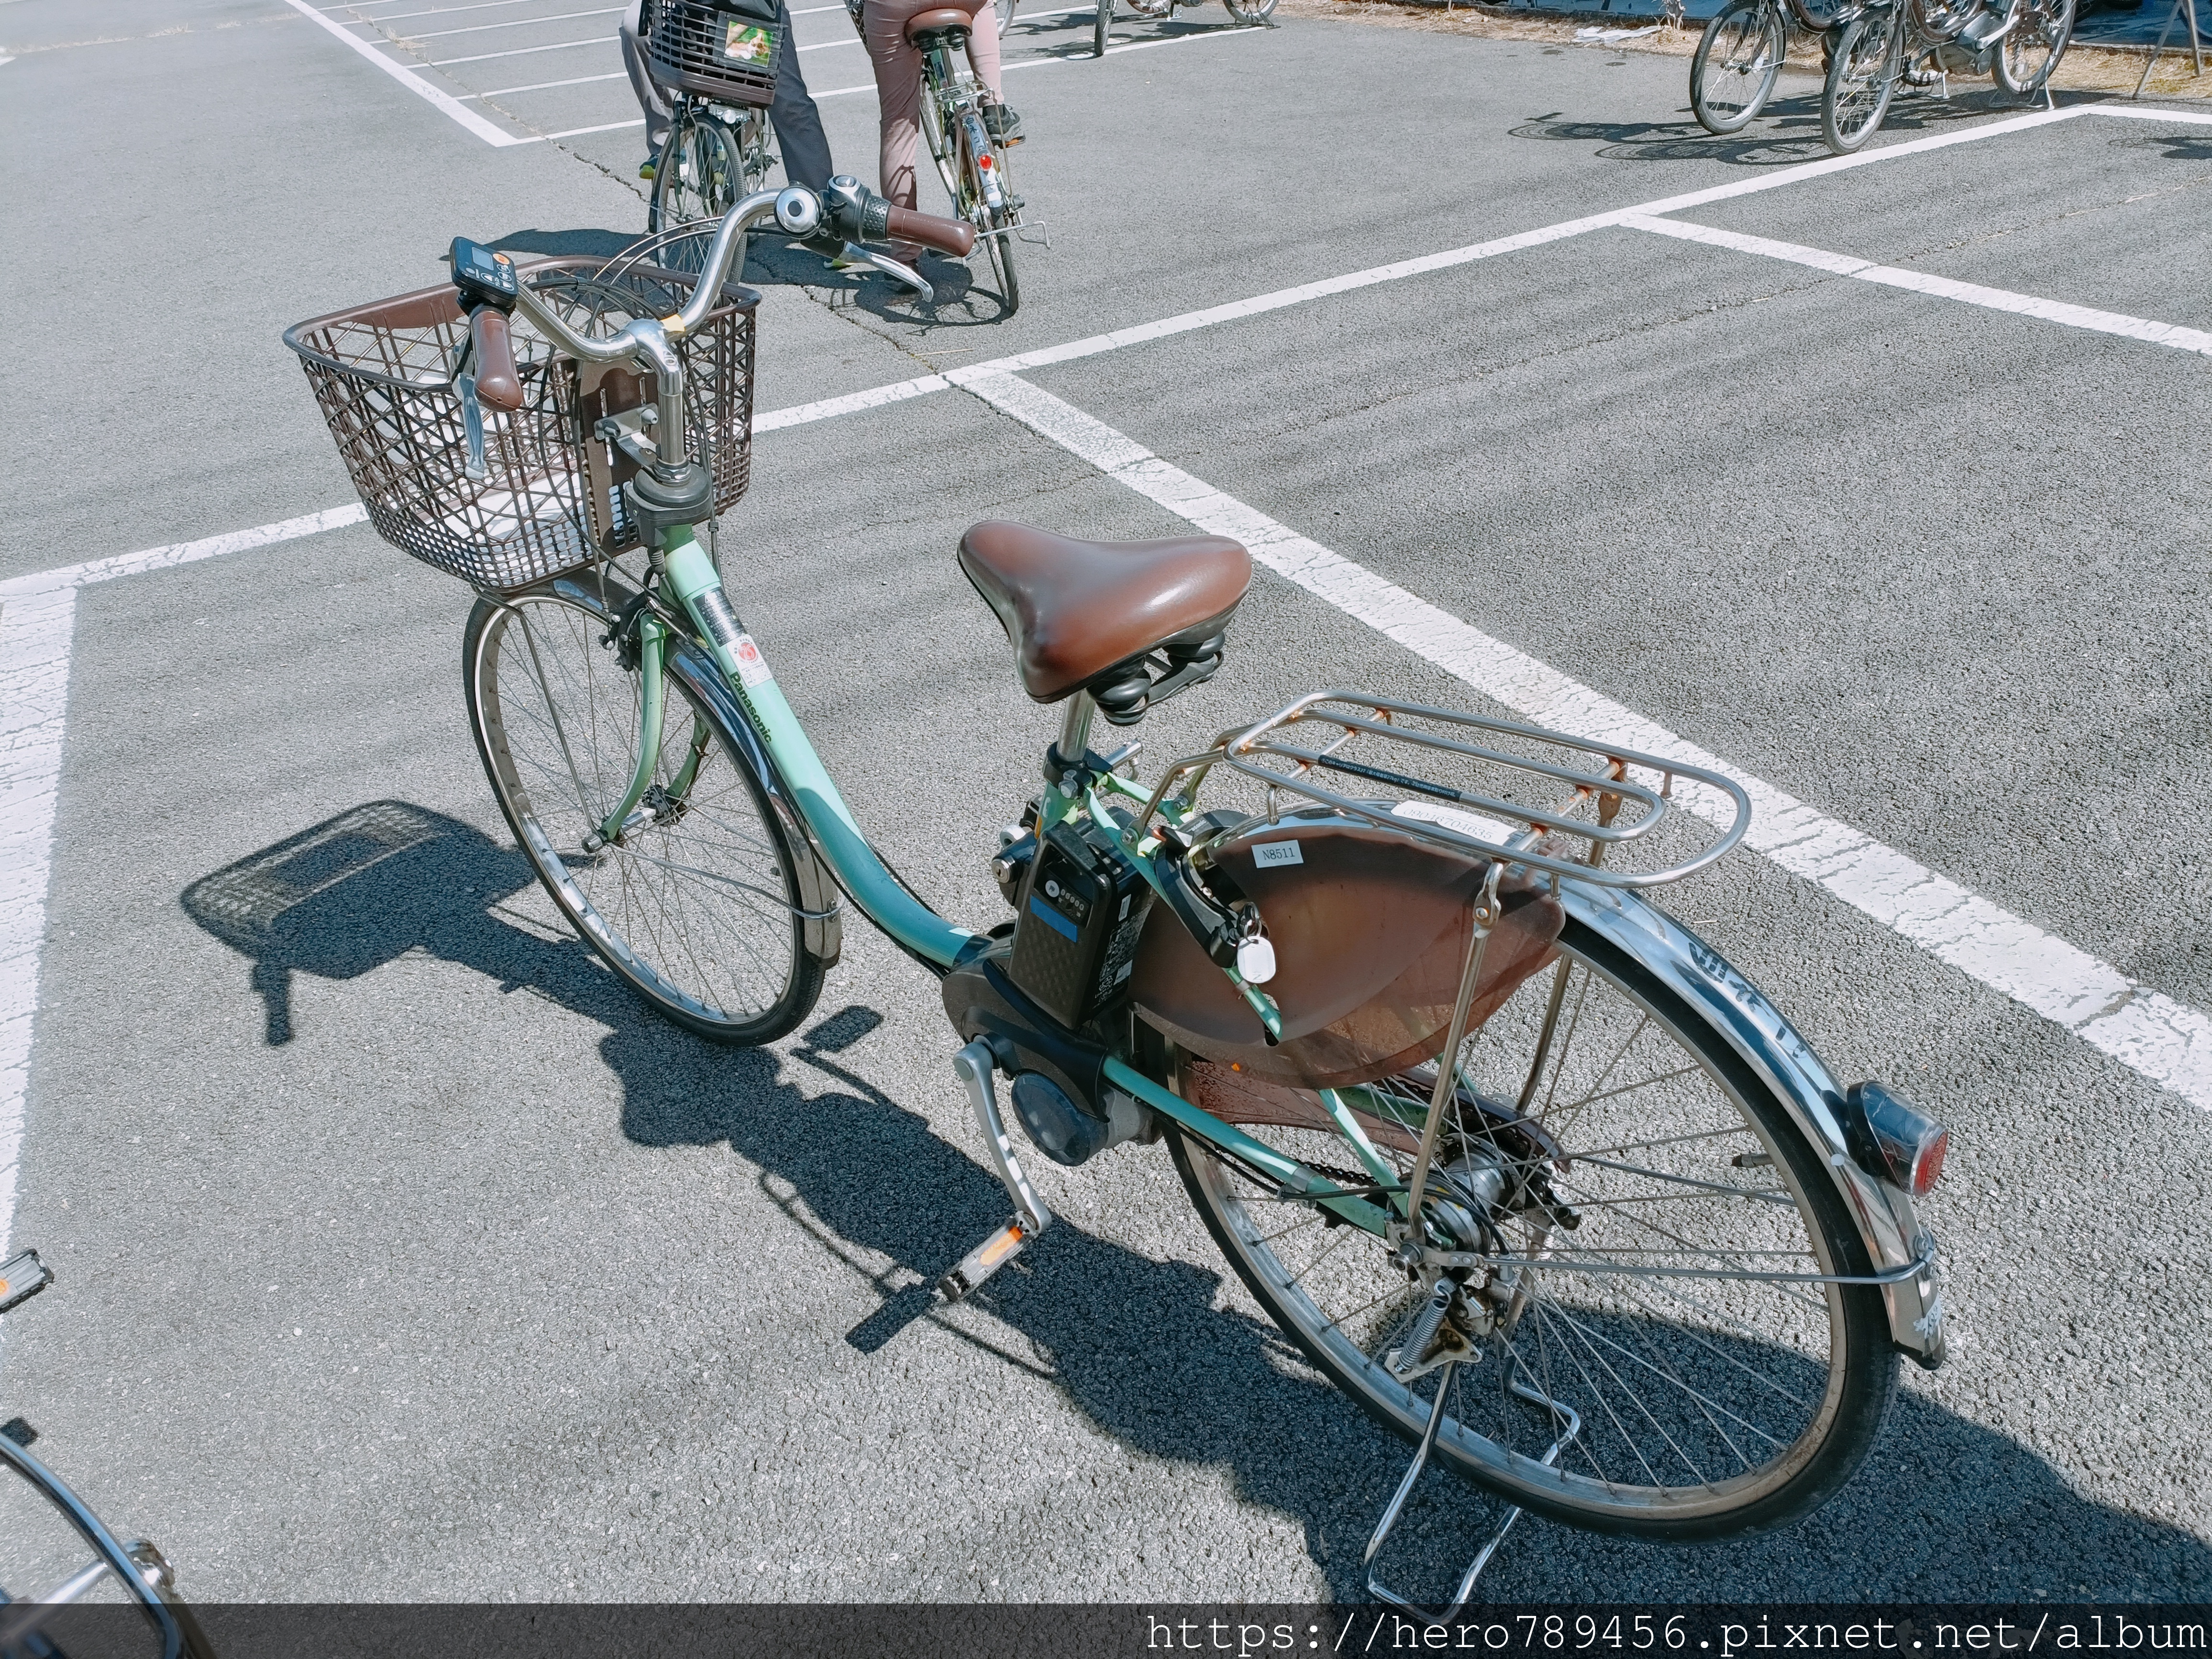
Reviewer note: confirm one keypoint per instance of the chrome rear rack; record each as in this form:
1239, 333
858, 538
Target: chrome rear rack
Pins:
1598, 800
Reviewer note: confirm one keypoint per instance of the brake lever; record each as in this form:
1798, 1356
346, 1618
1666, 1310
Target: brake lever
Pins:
851, 253
472, 422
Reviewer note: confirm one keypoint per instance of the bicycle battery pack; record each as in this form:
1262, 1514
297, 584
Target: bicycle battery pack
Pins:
1083, 907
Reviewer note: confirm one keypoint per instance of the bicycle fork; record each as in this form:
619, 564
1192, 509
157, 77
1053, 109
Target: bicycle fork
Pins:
692, 578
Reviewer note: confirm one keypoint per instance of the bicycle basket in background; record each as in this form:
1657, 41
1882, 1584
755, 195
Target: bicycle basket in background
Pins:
550, 499
724, 50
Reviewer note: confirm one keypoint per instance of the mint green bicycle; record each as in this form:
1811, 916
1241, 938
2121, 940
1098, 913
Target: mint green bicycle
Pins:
1521, 1164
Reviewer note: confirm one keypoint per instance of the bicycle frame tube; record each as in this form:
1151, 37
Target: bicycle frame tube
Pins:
830, 823
652, 700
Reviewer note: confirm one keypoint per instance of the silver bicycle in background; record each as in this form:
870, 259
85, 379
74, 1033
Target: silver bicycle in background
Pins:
52, 1600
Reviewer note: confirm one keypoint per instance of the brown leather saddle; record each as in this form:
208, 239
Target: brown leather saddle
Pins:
939, 19
1087, 616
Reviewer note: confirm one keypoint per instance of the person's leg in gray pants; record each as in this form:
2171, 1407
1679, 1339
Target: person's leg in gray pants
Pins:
797, 123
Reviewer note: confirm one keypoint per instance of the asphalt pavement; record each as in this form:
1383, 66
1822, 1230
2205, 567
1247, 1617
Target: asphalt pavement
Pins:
403, 1256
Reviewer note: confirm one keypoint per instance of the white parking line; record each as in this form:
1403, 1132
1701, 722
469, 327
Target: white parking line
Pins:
1941, 287
541, 85
2163, 1040
511, 23
519, 52
406, 77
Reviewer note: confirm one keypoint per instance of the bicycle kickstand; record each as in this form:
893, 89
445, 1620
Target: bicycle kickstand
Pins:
1564, 1416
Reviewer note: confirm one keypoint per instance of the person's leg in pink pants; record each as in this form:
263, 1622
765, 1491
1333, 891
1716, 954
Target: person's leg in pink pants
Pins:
898, 81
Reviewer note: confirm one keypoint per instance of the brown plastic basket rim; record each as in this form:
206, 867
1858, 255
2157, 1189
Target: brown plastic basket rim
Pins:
736, 297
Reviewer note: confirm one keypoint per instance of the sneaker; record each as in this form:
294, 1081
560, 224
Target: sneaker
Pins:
650, 166
1002, 123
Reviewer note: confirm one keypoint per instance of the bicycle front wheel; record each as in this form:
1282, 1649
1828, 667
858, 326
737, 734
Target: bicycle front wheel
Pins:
1738, 58
1862, 79
696, 179
1101, 24
1717, 1391
1250, 12
2037, 42
697, 904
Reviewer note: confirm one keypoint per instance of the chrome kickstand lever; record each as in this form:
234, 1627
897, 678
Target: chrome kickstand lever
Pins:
1570, 1425
976, 1068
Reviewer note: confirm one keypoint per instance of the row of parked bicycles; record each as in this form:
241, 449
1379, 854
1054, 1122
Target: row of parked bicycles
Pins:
1868, 50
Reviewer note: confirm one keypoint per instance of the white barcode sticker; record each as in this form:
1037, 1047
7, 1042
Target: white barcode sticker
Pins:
752, 667
1277, 853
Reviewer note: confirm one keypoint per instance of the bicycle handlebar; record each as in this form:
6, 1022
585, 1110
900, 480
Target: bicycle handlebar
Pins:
952, 236
847, 210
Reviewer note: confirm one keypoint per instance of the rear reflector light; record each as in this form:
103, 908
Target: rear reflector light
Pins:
1892, 1141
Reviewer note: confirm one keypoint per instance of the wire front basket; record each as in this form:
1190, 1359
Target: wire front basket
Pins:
712, 51
1565, 805
551, 498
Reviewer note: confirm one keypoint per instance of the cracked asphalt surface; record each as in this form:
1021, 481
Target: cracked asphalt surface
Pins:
412, 1260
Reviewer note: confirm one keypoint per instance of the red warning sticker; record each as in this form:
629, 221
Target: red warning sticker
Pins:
752, 667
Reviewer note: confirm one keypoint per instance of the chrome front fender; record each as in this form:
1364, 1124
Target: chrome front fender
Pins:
1754, 1028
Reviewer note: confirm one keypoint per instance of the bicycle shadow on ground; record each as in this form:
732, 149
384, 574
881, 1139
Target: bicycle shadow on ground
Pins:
1945, 1510
1786, 132
965, 295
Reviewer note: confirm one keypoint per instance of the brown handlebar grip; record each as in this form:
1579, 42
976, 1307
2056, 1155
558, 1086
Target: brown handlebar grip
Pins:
952, 236
497, 384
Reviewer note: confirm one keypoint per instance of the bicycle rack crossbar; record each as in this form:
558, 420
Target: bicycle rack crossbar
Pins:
1605, 808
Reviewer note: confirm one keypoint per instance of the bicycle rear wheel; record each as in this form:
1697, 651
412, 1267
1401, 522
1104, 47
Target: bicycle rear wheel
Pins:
697, 178
696, 906
1709, 1406
1737, 61
1102, 25
1250, 12
2030, 54
1862, 79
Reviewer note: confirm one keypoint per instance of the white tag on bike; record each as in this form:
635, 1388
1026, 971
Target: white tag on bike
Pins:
752, 667
1255, 961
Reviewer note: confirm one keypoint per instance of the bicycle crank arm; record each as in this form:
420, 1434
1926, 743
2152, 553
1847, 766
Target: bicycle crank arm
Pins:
976, 1068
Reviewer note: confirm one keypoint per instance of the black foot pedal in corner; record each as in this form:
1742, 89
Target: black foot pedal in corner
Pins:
976, 1068
21, 1277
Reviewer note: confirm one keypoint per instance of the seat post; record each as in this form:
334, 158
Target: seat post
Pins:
1074, 732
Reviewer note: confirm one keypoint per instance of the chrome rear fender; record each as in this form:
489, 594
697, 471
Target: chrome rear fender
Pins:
1768, 1043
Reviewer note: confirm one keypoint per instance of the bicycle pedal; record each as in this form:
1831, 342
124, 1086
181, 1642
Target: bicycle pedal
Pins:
979, 1263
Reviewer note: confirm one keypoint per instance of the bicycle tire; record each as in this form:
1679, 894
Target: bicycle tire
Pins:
1102, 25
1002, 261
1005, 9
556, 726
1862, 79
1491, 1440
1738, 59
695, 180
1250, 13
2025, 73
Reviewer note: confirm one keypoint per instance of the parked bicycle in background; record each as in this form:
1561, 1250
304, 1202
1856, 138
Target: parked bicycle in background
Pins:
711, 78
1921, 43
1742, 53
968, 130
1251, 13
53, 1601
